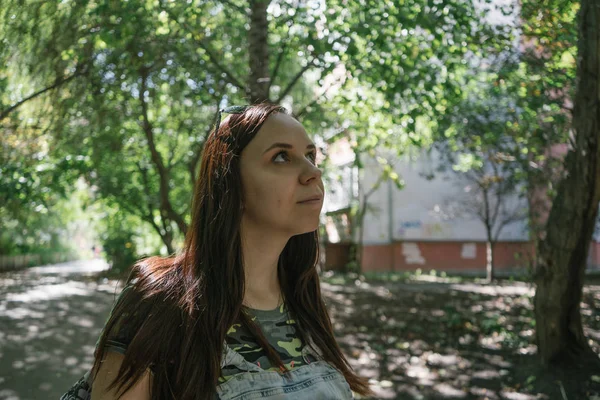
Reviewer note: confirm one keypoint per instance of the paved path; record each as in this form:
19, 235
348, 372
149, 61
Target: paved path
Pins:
50, 319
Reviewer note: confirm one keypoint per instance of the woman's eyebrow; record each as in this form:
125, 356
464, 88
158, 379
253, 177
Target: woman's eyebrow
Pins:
287, 146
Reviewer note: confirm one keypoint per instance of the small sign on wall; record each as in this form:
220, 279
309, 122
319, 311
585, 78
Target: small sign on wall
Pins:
469, 251
412, 254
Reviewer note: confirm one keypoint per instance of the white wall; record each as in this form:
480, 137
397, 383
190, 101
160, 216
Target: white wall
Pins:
420, 210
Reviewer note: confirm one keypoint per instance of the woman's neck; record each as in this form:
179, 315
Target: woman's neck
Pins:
264, 303
261, 251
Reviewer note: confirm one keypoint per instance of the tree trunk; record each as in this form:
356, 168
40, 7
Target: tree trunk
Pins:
361, 238
258, 49
489, 223
163, 172
166, 236
490, 272
563, 252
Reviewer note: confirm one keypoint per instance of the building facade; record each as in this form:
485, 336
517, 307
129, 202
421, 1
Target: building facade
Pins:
434, 223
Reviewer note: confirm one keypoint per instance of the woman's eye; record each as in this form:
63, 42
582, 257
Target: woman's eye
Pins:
278, 154
312, 156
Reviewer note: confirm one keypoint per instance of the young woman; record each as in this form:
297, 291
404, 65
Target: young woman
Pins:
238, 313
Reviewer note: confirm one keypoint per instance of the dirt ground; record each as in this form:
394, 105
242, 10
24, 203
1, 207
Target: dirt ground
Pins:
434, 338
418, 338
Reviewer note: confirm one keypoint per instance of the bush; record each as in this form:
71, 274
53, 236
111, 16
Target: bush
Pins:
120, 251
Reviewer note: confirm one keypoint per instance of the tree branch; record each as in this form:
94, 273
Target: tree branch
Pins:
499, 194
241, 9
127, 207
165, 203
174, 145
212, 57
146, 181
165, 235
193, 162
197, 148
278, 63
295, 80
289, 20
517, 216
314, 100
58, 82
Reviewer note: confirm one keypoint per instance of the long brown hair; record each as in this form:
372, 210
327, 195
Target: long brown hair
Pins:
179, 308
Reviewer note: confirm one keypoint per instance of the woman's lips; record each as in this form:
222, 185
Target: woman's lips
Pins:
312, 198
311, 202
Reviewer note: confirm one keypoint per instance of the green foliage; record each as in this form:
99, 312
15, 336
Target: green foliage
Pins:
501, 136
39, 214
118, 243
518, 104
132, 87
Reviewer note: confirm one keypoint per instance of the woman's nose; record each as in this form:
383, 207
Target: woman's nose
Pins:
310, 173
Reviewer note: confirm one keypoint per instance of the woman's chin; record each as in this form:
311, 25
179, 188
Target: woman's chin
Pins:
308, 229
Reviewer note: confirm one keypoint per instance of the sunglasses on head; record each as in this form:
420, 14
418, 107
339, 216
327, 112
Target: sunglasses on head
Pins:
229, 110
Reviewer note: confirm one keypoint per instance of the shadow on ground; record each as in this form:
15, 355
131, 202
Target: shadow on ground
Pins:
51, 318
424, 340
415, 340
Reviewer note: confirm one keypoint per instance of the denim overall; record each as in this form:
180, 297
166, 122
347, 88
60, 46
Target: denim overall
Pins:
315, 380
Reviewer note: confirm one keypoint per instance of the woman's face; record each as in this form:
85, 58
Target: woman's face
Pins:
278, 172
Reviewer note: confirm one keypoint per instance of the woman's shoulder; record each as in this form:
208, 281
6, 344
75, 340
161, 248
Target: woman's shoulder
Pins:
139, 306
152, 280
126, 317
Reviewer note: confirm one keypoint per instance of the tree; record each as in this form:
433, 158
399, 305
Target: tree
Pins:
154, 73
563, 252
132, 87
539, 78
359, 210
480, 142
491, 193
35, 185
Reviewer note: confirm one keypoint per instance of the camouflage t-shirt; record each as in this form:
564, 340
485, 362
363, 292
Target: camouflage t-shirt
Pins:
279, 330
